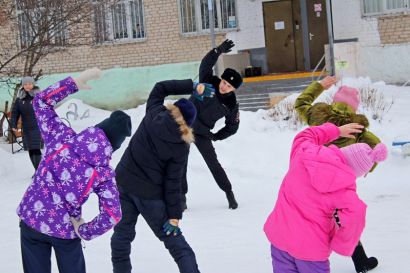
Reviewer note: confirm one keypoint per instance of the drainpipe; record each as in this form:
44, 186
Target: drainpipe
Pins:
330, 35
305, 34
212, 29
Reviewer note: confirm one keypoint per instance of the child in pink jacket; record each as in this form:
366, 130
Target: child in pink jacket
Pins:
320, 181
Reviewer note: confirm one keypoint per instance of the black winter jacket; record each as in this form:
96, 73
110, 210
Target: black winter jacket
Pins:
23, 108
153, 163
210, 110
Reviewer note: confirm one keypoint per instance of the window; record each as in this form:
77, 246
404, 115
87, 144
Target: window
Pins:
380, 7
37, 22
123, 21
194, 15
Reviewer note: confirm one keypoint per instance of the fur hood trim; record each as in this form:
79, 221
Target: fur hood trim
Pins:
187, 133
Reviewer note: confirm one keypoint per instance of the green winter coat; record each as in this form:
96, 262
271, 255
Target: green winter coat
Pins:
337, 113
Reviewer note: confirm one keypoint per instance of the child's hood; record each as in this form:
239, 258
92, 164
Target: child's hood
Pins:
327, 169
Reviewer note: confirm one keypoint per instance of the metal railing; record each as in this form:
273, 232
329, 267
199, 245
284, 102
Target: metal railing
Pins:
317, 67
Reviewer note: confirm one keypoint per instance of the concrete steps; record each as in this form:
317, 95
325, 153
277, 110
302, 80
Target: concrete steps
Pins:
255, 95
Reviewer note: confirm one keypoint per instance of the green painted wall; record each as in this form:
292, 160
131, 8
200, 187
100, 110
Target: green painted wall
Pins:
120, 88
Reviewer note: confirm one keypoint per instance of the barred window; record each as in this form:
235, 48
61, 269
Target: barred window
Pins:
380, 7
188, 17
101, 23
228, 10
205, 15
194, 15
123, 21
35, 20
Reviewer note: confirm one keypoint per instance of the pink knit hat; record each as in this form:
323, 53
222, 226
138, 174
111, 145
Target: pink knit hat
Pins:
361, 157
348, 95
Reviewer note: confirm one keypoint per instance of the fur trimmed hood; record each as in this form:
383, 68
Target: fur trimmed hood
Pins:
21, 94
187, 132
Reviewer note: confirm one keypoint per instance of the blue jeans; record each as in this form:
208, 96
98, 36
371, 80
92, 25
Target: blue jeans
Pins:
154, 213
283, 262
36, 252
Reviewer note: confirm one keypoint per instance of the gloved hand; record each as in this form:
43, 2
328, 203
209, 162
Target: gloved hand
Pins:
225, 47
87, 75
76, 225
202, 90
171, 227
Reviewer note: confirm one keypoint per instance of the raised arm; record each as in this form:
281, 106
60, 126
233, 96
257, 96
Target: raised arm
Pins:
309, 95
50, 125
323, 134
165, 88
210, 59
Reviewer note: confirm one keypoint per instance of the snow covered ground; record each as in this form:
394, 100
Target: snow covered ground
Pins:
255, 159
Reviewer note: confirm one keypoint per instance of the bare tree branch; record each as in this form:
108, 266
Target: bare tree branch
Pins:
39, 28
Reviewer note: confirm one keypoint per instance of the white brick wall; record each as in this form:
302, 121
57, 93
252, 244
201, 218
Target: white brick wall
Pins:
379, 62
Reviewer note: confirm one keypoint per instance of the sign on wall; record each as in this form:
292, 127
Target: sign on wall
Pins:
279, 25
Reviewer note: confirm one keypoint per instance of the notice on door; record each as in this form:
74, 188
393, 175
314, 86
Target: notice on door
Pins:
317, 7
279, 25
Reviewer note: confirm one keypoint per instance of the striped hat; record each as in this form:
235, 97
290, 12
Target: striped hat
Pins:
361, 157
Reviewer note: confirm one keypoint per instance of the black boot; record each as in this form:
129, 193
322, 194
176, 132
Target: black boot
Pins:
363, 264
183, 202
231, 200
36, 161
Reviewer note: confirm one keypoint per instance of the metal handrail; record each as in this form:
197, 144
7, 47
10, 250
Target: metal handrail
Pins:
316, 68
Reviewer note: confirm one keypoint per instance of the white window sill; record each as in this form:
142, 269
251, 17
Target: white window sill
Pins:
387, 14
207, 32
121, 42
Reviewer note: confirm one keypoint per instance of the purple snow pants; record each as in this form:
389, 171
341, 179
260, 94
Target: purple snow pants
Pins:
282, 262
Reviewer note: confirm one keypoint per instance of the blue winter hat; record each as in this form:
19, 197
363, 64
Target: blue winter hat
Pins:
187, 109
117, 127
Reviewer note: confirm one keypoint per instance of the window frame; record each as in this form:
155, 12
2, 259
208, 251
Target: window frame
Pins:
110, 23
200, 30
385, 11
21, 15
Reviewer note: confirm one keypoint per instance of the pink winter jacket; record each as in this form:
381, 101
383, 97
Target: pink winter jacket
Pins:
318, 182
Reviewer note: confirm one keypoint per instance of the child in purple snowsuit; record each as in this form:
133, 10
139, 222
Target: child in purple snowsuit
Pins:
74, 166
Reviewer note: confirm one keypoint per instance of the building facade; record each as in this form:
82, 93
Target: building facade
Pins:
136, 33
379, 35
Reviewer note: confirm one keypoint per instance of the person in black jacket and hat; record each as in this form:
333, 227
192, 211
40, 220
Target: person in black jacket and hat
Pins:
149, 175
210, 110
23, 108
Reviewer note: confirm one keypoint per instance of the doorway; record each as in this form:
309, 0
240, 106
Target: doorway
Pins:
295, 30
279, 36
318, 34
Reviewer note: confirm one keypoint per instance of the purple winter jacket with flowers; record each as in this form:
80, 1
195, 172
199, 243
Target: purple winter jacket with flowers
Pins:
74, 165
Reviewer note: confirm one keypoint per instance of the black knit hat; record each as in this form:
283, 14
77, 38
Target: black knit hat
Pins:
117, 127
233, 77
187, 109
